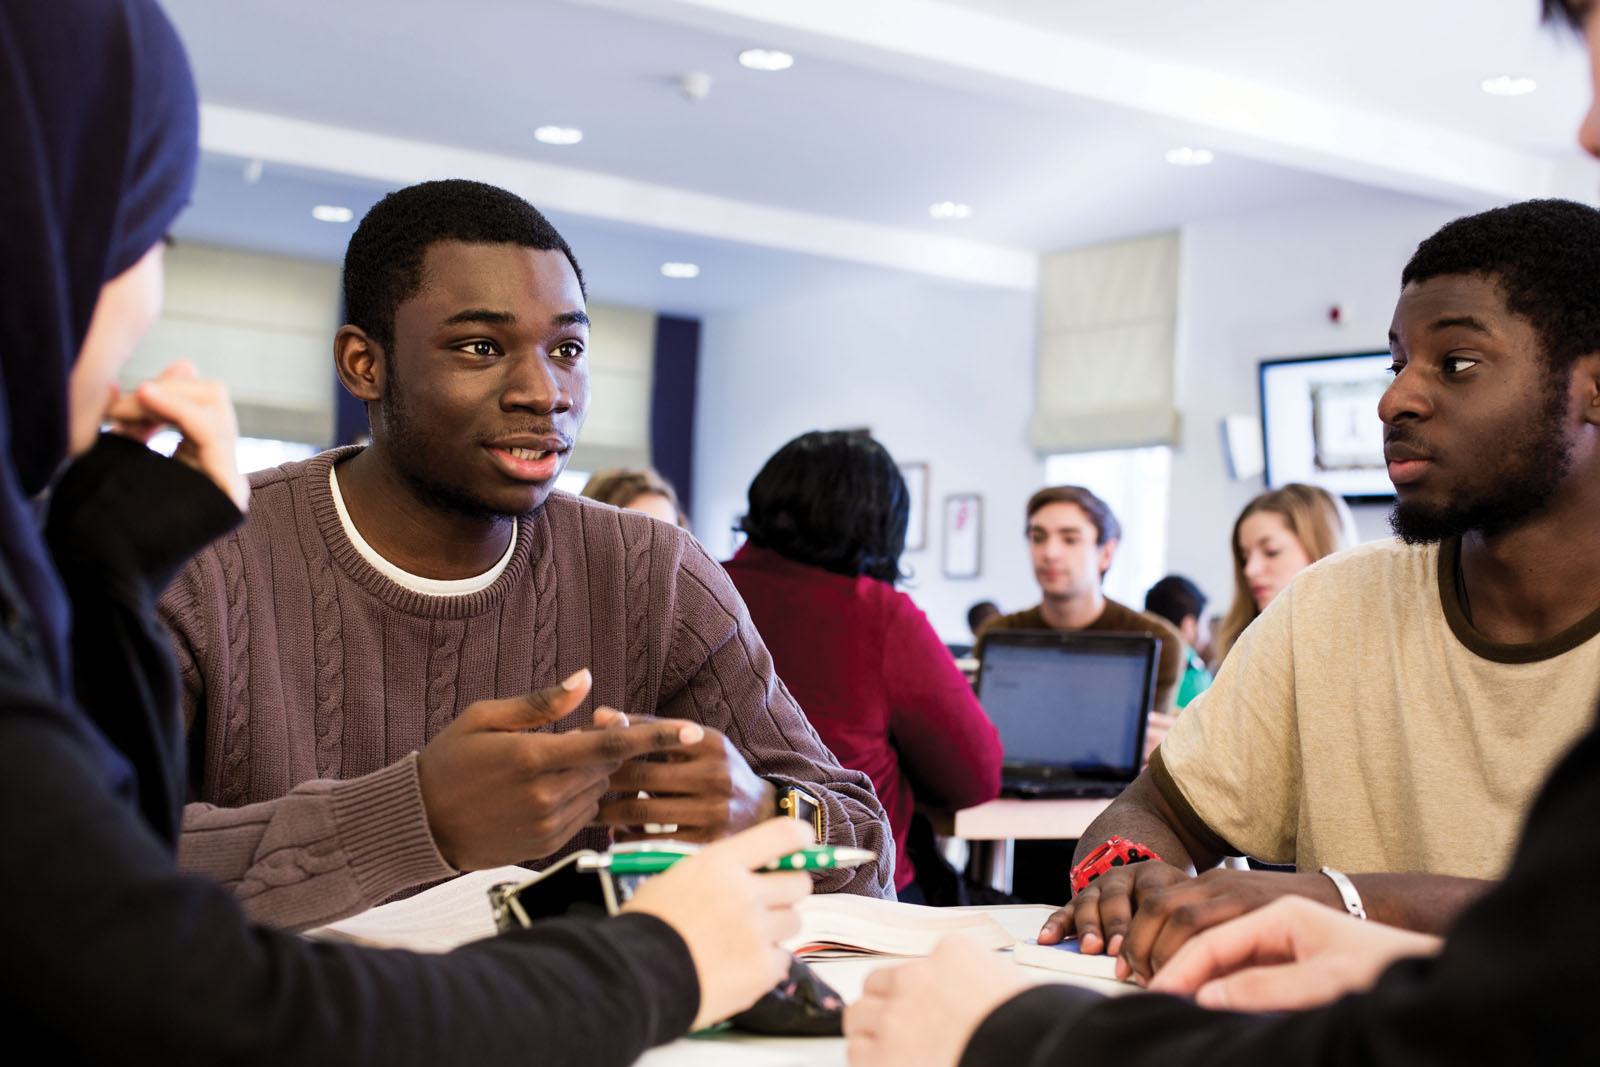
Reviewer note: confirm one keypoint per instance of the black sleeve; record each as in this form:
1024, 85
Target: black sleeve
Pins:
1514, 983
110, 954
121, 521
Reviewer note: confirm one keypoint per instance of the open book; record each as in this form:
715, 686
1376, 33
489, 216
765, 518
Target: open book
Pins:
435, 920
841, 924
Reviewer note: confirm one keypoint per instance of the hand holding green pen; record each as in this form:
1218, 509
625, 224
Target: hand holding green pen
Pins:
657, 859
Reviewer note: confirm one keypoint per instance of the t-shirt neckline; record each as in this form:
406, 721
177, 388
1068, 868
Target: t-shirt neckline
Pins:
1532, 652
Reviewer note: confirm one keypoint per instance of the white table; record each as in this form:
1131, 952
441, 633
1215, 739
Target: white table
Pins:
993, 828
847, 976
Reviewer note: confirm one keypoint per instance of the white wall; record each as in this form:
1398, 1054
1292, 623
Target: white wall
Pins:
1260, 288
940, 373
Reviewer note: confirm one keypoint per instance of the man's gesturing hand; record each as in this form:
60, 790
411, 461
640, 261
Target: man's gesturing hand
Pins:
1289, 955
731, 917
496, 794
706, 790
1101, 913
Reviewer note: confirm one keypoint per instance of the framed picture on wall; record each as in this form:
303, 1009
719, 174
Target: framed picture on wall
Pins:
916, 476
963, 535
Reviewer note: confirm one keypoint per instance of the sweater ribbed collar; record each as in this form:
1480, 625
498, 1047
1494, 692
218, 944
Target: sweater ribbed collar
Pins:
533, 538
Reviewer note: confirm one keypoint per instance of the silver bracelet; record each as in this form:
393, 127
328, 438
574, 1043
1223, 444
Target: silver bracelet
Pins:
1347, 892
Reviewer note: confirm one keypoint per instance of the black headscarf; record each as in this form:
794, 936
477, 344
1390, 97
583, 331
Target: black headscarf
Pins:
98, 145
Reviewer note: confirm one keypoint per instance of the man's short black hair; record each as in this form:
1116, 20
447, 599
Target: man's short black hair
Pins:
1175, 598
383, 264
1545, 256
834, 500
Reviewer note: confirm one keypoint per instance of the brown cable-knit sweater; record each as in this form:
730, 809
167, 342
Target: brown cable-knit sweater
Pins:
310, 681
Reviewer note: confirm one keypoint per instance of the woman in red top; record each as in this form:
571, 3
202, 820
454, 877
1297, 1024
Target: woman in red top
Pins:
825, 529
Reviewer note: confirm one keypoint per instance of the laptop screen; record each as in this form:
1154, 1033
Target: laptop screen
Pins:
1069, 700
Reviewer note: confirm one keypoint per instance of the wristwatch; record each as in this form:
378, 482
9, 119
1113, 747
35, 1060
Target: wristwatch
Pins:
796, 803
1116, 852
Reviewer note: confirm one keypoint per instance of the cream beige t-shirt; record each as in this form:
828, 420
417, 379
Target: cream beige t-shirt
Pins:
1362, 723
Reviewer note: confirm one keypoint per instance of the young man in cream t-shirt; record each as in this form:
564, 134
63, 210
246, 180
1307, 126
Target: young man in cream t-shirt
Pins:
1392, 714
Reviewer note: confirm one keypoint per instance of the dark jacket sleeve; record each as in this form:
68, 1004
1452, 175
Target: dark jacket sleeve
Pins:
111, 954
121, 521
1514, 983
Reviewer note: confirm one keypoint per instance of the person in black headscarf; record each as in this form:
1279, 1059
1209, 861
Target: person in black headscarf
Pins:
109, 951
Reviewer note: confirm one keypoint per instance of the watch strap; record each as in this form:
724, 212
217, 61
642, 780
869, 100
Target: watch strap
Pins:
1347, 892
796, 803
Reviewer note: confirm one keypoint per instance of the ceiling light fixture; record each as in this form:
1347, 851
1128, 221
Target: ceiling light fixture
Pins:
681, 270
768, 59
949, 209
1509, 85
1189, 157
332, 213
558, 135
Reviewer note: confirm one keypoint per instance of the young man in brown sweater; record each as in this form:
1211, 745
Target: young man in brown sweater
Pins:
342, 651
1072, 537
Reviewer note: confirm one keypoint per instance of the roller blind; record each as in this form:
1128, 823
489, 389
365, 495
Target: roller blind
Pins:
1107, 332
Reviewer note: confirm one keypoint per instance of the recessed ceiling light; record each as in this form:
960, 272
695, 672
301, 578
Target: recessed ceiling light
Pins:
332, 213
1189, 157
681, 270
949, 209
1509, 85
558, 135
765, 59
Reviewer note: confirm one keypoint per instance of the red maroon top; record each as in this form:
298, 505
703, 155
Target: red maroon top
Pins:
877, 683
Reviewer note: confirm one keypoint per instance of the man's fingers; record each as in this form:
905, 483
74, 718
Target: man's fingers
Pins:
1250, 940
533, 709
605, 718
692, 778
618, 744
1058, 926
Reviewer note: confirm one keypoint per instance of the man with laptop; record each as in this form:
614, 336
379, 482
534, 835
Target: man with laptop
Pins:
1073, 536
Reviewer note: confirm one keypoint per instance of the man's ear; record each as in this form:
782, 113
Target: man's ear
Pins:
1586, 381
1107, 551
358, 359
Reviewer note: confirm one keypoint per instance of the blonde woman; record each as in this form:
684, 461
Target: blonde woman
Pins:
1279, 534
637, 489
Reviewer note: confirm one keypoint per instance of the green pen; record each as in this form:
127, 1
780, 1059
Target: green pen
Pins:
657, 859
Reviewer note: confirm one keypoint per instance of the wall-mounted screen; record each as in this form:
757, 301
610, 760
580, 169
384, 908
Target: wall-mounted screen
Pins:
1319, 423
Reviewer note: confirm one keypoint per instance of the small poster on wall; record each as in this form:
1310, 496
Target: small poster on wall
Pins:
916, 476
963, 535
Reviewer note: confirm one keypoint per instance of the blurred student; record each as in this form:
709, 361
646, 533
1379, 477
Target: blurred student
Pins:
1279, 534
637, 489
980, 613
1072, 537
113, 954
825, 529
1179, 601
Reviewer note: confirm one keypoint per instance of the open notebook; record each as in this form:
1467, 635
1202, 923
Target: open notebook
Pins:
457, 911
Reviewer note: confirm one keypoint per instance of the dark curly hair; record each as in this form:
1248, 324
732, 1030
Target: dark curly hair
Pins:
383, 263
833, 500
1545, 255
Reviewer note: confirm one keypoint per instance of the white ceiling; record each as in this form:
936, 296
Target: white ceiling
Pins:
1049, 118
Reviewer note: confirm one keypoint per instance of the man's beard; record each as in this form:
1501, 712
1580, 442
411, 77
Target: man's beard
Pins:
409, 450
1538, 459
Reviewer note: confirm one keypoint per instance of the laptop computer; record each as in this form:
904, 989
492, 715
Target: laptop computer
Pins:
1070, 708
